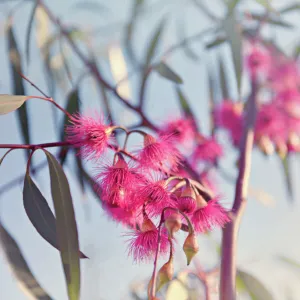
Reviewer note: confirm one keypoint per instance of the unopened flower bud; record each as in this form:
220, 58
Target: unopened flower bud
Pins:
188, 192
201, 203
173, 223
294, 139
190, 247
120, 163
165, 274
281, 148
147, 225
148, 140
265, 145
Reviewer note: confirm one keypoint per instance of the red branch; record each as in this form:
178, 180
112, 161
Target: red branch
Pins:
230, 231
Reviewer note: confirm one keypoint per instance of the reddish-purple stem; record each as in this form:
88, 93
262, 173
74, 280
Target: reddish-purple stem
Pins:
230, 231
34, 146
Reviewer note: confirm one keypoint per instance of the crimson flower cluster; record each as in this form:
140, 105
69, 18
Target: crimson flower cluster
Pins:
277, 126
139, 188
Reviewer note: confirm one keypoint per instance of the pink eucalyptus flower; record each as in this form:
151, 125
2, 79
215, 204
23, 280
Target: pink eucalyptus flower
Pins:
155, 197
271, 122
229, 115
258, 60
128, 217
209, 215
186, 204
158, 153
143, 242
209, 150
91, 134
181, 130
284, 74
117, 183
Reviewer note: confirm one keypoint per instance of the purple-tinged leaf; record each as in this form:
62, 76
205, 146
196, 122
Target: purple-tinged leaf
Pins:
39, 213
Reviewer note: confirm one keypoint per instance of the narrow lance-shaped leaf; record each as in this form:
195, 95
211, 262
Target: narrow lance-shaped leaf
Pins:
211, 101
39, 213
186, 107
232, 5
150, 53
271, 20
290, 8
9, 103
165, 71
66, 226
16, 68
223, 79
129, 30
80, 172
72, 107
18, 265
266, 4
234, 36
182, 36
154, 42
288, 177
291, 262
91, 6
29, 30
254, 287
216, 42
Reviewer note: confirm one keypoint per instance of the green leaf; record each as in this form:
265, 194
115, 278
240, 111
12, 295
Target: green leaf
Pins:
254, 287
91, 6
129, 30
9, 103
66, 226
291, 262
186, 107
72, 107
290, 8
154, 42
80, 172
165, 71
288, 177
234, 36
217, 42
211, 101
185, 45
29, 30
232, 5
223, 80
271, 20
266, 4
30, 286
2, 158
16, 69
39, 213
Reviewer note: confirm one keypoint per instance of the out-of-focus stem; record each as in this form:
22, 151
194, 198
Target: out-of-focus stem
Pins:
230, 231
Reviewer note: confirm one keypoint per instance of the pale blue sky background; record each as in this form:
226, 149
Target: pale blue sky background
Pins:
265, 231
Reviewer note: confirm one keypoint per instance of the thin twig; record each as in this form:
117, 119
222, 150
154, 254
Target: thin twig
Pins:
33, 84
